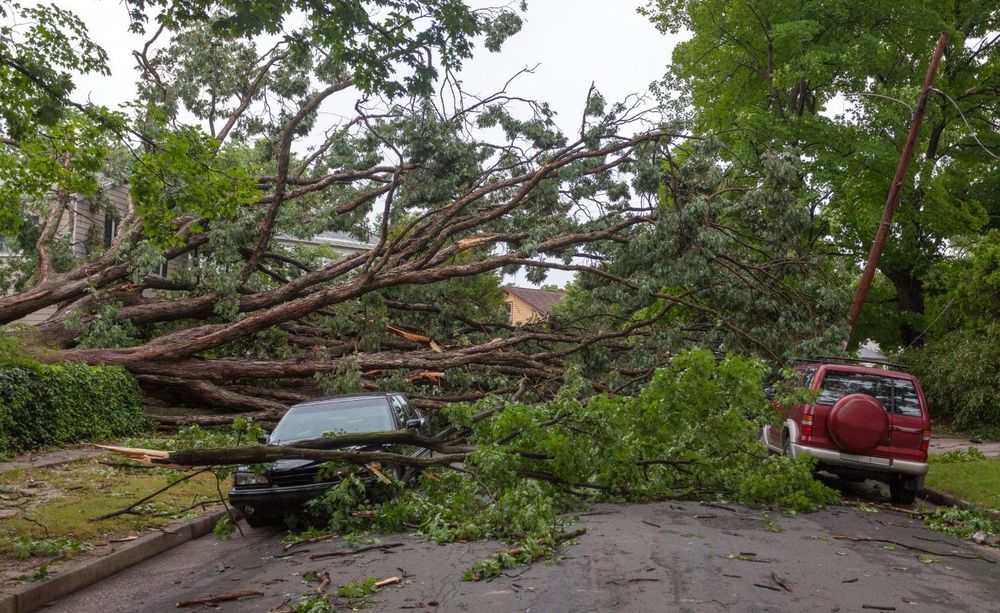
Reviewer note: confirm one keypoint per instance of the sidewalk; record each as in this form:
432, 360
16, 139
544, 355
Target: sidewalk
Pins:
40, 459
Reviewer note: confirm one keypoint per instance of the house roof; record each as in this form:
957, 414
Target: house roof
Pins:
539, 299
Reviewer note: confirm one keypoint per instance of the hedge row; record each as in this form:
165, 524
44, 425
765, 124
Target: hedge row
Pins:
49, 405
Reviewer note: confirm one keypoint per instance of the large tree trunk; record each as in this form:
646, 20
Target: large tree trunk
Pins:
910, 301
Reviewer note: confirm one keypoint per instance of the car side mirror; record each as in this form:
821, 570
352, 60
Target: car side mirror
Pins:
414, 424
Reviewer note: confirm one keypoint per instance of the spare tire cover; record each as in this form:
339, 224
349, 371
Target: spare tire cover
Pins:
857, 423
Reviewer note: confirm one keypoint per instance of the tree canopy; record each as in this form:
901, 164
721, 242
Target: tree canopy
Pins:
727, 218
835, 82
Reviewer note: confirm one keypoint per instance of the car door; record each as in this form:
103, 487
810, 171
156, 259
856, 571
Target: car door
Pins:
907, 422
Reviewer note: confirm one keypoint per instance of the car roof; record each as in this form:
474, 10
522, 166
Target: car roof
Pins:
868, 370
343, 397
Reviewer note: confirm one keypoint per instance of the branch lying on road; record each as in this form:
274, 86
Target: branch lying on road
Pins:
212, 600
865, 539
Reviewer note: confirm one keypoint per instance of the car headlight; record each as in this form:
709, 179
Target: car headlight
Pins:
249, 478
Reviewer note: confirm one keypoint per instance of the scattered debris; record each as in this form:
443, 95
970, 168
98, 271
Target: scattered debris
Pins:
308, 541
781, 582
954, 554
767, 587
387, 581
213, 600
351, 552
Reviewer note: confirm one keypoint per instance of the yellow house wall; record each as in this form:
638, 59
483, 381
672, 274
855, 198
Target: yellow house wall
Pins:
521, 311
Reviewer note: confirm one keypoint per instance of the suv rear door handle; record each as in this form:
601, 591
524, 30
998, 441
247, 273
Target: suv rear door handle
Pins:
896, 428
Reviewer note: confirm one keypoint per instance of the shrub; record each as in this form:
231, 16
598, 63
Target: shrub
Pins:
960, 374
48, 405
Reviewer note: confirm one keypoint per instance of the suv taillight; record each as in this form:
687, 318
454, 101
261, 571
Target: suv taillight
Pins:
807, 427
925, 439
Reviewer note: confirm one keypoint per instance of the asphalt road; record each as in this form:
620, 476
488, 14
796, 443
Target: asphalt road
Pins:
683, 556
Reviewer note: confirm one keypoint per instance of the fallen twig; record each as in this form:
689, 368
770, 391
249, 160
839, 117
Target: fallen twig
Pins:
210, 600
387, 581
877, 607
780, 581
151, 496
865, 539
767, 587
324, 582
351, 552
315, 539
716, 505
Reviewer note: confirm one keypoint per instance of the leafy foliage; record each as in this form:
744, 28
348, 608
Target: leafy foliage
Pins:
960, 456
960, 373
962, 523
23, 546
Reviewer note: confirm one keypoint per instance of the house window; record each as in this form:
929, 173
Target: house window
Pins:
110, 229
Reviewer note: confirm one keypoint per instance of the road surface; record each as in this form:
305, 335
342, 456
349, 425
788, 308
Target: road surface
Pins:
669, 556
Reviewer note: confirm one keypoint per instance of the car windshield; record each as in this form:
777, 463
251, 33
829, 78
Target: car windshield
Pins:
896, 395
313, 420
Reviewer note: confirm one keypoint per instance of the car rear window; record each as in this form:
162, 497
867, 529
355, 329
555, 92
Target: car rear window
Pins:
314, 420
896, 395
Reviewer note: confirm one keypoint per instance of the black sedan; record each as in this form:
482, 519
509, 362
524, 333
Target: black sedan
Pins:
290, 483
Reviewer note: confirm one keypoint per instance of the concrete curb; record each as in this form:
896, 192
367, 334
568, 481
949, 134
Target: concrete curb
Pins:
943, 499
75, 577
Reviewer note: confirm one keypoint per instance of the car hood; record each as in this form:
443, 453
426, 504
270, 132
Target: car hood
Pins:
299, 465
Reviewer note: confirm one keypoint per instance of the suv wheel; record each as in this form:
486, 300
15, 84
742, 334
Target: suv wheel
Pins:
903, 490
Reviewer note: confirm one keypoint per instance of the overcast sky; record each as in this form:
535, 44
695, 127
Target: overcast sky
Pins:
572, 42
569, 43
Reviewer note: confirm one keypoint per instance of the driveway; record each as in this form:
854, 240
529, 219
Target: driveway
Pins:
669, 556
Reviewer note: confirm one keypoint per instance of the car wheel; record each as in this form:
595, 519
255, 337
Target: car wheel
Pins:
903, 491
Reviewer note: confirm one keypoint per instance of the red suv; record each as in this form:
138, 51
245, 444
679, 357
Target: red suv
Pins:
867, 423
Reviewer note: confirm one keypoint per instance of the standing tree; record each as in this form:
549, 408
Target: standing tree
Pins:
766, 75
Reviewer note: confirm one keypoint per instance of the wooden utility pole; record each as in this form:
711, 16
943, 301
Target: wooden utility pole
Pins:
894, 191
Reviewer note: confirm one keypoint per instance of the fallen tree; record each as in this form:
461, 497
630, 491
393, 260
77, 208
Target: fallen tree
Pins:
443, 196
511, 470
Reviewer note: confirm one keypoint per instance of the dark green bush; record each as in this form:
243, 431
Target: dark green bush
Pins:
960, 375
48, 405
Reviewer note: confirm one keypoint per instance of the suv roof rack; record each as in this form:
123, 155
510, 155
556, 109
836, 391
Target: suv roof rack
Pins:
836, 359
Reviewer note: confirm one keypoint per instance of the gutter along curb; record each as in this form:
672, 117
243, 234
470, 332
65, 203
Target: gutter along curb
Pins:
88, 572
942, 499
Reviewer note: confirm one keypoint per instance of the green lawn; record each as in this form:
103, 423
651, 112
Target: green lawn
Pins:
976, 481
48, 515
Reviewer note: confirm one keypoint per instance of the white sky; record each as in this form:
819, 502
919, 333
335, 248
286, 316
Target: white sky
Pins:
571, 43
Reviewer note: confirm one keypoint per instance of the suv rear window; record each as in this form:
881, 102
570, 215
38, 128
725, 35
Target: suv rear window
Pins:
896, 395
